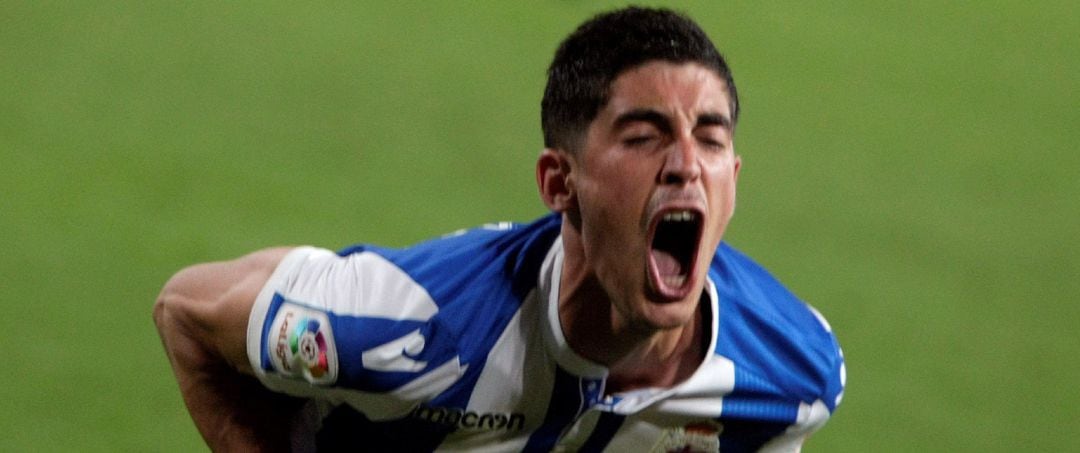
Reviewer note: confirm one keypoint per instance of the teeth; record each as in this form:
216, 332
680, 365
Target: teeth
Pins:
675, 281
679, 216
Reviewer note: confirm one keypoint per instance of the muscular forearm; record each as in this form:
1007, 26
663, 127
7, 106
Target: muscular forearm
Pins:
201, 316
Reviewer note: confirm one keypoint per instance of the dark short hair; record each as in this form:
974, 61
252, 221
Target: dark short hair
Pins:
601, 49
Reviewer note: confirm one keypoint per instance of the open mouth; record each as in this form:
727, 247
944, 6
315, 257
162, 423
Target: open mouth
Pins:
673, 251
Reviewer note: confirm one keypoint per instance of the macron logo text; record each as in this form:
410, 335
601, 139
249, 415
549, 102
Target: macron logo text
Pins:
469, 420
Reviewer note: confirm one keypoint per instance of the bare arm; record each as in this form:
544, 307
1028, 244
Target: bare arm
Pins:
202, 316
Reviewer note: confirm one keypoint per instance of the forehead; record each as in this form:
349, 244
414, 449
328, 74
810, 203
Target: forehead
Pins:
672, 88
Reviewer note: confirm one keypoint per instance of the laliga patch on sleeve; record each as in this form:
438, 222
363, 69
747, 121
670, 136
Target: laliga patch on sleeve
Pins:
299, 342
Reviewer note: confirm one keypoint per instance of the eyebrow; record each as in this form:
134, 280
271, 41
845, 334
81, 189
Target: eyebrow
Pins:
644, 115
714, 119
661, 121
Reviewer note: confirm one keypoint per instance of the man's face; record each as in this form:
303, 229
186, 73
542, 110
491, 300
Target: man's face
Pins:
654, 188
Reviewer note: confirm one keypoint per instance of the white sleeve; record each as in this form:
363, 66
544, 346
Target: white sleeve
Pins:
270, 328
311, 333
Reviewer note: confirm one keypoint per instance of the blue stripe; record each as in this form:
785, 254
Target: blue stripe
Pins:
353, 335
758, 399
769, 332
754, 413
568, 399
763, 410
264, 345
606, 427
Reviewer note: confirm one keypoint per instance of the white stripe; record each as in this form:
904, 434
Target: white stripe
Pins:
811, 418
361, 284
517, 377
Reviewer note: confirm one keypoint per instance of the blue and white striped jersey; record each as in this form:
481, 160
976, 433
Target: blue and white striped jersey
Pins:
455, 344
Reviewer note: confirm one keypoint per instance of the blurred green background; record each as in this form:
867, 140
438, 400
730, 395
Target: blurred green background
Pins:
910, 168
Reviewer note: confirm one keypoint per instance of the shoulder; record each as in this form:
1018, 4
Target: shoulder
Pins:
384, 318
498, 254
775, 340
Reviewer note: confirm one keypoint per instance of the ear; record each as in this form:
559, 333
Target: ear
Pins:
553, 179
738, 165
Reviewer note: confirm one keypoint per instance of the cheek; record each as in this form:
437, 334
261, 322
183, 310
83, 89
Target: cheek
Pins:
611, 210
722, 188
614, 190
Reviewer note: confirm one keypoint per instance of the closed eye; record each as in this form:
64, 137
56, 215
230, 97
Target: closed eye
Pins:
713, 137
637, 140
712, 143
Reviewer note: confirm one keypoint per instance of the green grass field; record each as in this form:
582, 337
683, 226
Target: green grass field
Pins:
910, 168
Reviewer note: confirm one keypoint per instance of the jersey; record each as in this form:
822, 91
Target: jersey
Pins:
455, 344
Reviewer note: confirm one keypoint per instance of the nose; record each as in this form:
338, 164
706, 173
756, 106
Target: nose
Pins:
681, 162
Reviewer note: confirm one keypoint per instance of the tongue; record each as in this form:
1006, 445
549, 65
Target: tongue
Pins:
666, 263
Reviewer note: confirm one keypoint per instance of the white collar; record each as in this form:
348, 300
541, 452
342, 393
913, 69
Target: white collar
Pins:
548, 293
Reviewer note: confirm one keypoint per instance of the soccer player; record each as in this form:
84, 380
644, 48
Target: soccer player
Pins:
620, 322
